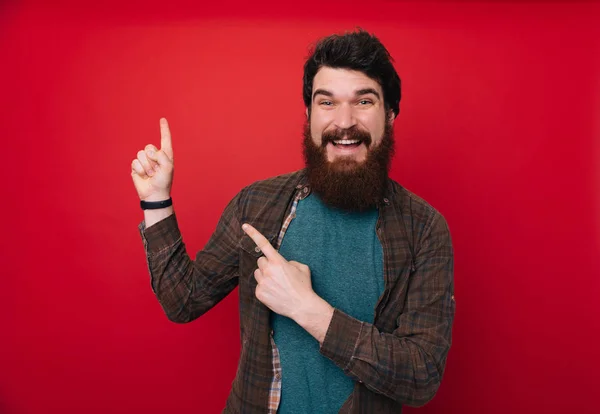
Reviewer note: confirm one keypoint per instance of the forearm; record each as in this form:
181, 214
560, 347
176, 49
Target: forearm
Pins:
397, 368
171, 272
315, 317
405, 369
185, 288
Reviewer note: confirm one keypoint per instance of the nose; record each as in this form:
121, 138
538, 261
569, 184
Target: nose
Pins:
344, 117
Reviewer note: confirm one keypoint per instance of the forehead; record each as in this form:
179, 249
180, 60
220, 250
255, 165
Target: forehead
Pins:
343, 81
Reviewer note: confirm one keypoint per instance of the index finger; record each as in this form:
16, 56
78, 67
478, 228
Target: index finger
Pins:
262, 242
165, 138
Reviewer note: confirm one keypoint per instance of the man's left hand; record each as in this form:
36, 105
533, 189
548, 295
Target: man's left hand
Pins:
283, 286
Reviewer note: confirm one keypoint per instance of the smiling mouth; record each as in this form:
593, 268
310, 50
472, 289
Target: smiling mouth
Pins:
346, 143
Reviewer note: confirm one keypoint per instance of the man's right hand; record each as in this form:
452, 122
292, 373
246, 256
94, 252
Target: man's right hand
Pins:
152, 170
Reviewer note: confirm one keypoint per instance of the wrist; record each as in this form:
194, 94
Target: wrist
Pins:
315, 317
156, 205
152, 217
157, 197
313, 308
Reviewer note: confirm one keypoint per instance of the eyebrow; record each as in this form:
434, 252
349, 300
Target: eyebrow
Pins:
367, 91
322, 92
359, 92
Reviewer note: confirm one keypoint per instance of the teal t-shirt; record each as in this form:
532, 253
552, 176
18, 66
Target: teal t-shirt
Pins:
346, 262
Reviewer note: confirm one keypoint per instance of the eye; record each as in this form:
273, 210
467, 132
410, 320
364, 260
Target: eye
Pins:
363, 102
326, 103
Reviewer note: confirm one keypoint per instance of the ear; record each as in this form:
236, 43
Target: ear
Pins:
306, 113
391, 116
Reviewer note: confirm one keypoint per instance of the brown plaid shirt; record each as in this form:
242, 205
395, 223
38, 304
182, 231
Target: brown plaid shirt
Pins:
399, 359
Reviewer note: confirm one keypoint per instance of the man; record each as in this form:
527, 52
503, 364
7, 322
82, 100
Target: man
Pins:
345, 278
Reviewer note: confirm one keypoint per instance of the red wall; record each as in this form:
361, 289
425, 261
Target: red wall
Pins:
499, 129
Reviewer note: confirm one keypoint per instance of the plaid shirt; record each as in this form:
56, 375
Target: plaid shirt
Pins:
399, 359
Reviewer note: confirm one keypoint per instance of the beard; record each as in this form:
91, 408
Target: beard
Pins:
345, 183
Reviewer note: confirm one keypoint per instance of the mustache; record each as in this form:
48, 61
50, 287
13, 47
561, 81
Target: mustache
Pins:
349, 133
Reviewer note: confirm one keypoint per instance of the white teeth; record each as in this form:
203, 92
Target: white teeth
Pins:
346, 141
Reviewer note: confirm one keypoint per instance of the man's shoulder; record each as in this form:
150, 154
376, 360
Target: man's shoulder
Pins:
414, 205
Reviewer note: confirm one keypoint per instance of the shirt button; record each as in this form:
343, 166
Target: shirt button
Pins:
277, 376
305, 190
257, 249
386, 201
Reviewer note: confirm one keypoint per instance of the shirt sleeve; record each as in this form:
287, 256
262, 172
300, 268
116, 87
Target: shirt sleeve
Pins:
406, 365
188, 288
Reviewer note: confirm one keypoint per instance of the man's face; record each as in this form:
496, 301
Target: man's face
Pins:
348, 142
348, 116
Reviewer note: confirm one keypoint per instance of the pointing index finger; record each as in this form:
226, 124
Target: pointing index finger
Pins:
165, 138
262, 242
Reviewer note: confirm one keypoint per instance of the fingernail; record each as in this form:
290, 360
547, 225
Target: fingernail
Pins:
151, 173
244, 226
151, 153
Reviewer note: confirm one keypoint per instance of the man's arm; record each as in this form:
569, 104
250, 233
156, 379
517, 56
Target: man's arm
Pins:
187, 289
406, 365
151, 217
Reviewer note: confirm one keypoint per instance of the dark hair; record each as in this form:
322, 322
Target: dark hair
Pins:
360, 51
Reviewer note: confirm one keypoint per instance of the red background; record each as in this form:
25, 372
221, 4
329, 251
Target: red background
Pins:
499, 129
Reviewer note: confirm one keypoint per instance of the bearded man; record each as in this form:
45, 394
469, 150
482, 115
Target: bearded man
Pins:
345, 277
